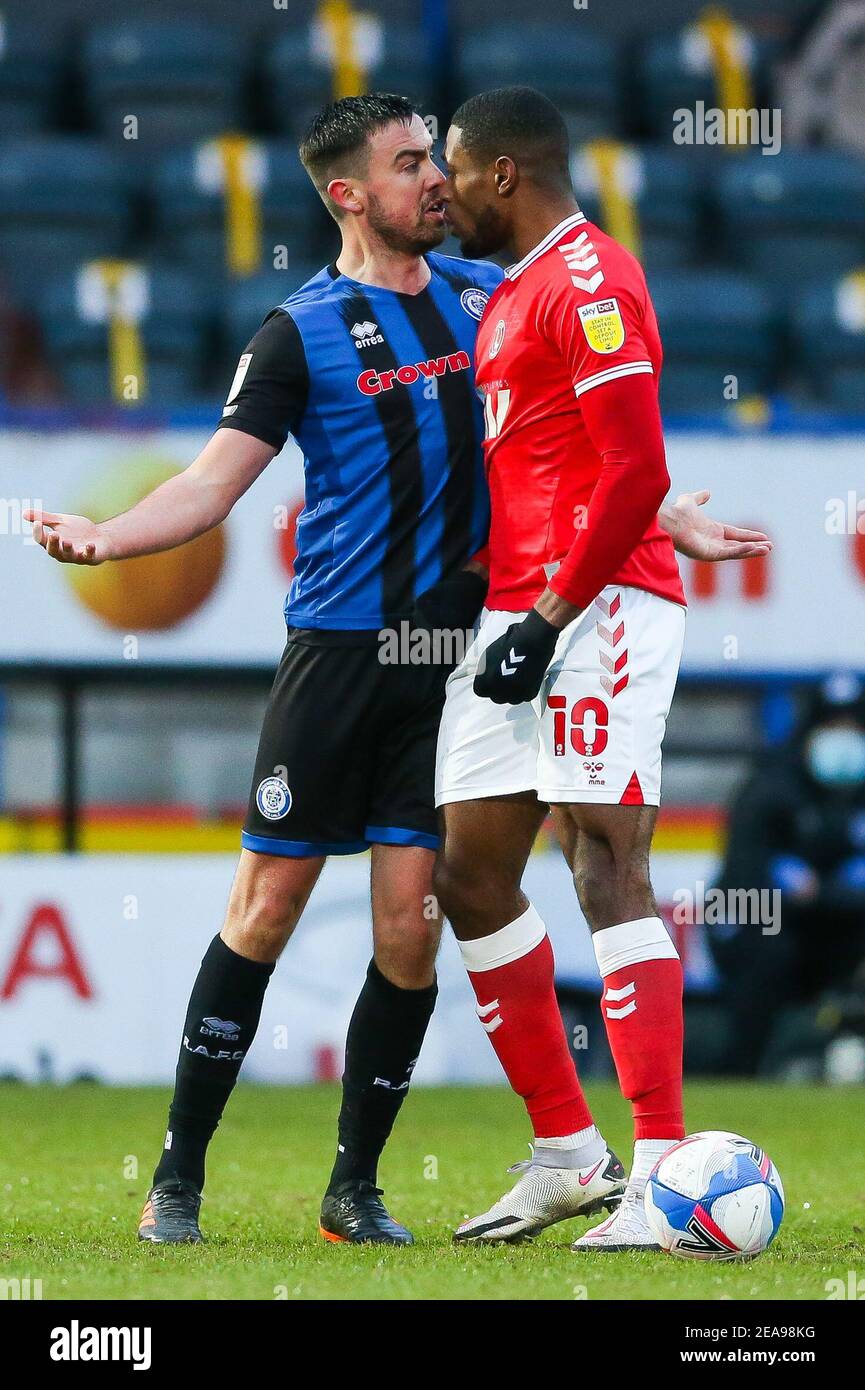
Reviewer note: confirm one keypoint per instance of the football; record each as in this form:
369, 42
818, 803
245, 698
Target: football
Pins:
715, 1196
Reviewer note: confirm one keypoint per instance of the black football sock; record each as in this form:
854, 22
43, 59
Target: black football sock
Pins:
384, 1041
221, 1022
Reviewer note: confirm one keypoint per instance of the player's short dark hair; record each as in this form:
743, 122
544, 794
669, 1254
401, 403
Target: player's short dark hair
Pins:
522, 123
337, 141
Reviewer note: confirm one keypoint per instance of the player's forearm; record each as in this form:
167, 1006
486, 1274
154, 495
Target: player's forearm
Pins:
174, 513
633, 483
625, 498
190, 503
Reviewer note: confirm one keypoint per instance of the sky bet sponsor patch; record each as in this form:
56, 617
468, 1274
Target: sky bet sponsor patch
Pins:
602, 325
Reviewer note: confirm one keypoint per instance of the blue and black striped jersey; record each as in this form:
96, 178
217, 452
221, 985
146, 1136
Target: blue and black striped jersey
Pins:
377, 387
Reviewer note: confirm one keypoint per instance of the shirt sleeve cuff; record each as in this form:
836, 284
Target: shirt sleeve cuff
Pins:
587, 383
231, 422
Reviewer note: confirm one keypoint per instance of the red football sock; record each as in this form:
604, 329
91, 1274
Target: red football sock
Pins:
512, 976
642, 1012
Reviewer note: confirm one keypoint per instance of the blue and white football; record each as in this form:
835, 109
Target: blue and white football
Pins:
715, 1196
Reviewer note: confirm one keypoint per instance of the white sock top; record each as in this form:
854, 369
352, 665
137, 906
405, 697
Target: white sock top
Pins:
578, 1150
501, 947
630, 942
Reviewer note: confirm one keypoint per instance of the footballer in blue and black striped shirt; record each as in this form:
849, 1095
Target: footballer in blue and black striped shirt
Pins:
369, 366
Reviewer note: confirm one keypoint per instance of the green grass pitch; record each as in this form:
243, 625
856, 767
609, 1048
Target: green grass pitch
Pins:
75, 1167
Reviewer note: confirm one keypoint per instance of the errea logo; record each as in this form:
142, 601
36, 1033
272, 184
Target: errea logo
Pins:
365, 334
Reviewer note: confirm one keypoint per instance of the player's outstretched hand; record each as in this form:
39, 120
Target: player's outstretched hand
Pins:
513, 666
701, 538
73, 539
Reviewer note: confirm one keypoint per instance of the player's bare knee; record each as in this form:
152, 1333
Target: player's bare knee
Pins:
475, 901
593, 870
457, 888
612, 885
257, 931
446, 880
263, 909
622, 893
406, 948
592, 890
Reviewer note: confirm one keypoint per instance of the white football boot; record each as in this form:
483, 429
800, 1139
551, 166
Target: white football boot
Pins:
626, 1229
544, 1195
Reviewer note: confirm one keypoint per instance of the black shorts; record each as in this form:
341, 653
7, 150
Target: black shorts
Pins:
346, 757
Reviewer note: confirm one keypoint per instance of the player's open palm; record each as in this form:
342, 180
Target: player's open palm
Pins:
73, 539
699, 536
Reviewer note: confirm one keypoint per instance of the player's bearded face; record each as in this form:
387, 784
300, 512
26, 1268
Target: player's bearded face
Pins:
402, 189
406, 229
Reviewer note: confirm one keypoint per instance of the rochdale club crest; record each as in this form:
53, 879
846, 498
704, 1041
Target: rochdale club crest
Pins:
474, 301
602, 325
273, 798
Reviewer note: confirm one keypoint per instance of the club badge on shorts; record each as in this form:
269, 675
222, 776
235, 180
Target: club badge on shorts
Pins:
602, 325
273, 798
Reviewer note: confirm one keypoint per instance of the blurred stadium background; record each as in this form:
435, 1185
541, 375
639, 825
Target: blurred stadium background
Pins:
152, 210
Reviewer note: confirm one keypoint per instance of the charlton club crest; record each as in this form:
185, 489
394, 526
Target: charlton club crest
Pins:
498, 339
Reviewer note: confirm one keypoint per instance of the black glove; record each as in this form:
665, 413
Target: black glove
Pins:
513, 666
451, 604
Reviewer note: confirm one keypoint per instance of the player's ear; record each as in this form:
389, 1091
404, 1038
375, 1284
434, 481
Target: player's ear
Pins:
505, 176
345, 195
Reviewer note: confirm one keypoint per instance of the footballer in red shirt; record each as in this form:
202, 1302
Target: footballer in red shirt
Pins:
571, 316
561, 701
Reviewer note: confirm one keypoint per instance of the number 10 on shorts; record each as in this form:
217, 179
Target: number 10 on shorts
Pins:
589, 719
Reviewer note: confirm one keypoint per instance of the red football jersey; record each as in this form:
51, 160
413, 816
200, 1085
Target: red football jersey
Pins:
571, 315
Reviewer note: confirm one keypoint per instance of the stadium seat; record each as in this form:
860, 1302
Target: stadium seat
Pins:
28, 77
575, 69
172, 327
827, 323
794, 216
300, 78
62, 199
182, 81
664, 188
191, 213
676, 72
713, 324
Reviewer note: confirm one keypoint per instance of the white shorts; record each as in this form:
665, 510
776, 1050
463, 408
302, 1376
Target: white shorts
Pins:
594, 733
